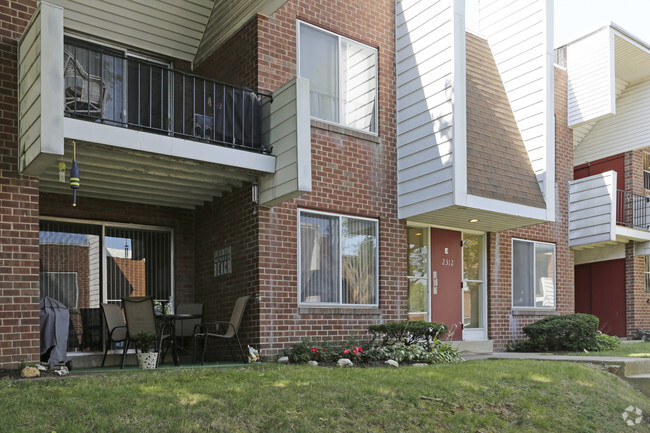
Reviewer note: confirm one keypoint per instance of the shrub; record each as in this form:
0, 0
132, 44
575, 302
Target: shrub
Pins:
408, 332
145, 341
437, 353
307, 350
606, 342
566, 333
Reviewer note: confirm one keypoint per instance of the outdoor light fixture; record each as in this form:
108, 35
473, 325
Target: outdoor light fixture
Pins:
255, 192
473, 220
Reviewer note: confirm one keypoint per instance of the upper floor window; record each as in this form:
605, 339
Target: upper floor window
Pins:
342, 77
646, 170
533, 274
338, 259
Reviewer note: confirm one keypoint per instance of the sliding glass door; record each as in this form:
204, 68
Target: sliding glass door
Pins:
83, 264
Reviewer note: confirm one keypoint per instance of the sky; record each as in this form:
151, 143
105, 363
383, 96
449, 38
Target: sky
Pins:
573, 18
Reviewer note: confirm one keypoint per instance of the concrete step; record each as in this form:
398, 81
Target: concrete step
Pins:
640, 382
635, 367
474, 347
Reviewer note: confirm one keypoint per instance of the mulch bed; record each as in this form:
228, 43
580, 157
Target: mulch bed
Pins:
14, 374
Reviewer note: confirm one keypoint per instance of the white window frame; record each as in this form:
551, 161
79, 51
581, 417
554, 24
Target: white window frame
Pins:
340, 264
299, 24
427, 233
512, 281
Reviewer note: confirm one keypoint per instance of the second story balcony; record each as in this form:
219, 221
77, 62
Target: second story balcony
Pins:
600, 214
103, 85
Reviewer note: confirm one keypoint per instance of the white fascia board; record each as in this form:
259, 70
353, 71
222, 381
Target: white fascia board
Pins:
459, 102
624, 234
81, 130
504, 207
549, 117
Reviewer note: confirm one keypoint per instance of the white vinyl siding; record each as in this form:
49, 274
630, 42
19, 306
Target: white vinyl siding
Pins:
342, 75
592, 214
621, 133
520, 35
338, 259
287, 130
40, 91
591, 77
425, 110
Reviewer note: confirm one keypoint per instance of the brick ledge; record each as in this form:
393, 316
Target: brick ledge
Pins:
371, 311
339, 129
534, 312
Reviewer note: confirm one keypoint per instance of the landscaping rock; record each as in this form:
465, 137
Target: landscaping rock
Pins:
313, 363
29, 372
63, 371
392, 363
41, 367
283, 360
344, 362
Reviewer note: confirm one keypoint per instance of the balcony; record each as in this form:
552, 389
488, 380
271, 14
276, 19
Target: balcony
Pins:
104, 86
601, 215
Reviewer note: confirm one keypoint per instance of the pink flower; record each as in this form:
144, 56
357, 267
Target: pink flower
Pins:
313, 349
346, 351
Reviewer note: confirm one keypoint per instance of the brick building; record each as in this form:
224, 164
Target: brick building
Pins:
342, 163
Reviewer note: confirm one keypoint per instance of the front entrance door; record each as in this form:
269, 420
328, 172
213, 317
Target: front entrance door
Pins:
446, 276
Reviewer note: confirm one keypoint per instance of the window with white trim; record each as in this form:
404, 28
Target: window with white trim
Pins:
338, 259
647, 273
533, 274
342, 77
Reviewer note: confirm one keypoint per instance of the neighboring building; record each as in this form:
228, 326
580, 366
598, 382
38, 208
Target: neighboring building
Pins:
609, 82
343, 163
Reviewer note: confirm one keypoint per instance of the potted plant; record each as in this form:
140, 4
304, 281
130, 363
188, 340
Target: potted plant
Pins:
144, 342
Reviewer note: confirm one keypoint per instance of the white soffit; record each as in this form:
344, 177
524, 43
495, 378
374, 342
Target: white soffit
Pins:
227, 17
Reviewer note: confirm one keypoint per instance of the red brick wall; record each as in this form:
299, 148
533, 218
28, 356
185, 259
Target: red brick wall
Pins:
636, 298
352, 174
229, 221
235, 62
19, 296
504, 324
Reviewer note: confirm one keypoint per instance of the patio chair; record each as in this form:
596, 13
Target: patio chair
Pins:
223, 330
84, 93
185, 328
115, 325
139, 314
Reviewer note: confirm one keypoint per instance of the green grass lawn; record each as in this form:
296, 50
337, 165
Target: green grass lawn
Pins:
638, 350
475, 396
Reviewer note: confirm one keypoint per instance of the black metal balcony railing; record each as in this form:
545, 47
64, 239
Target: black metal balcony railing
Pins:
101, 85
632, 210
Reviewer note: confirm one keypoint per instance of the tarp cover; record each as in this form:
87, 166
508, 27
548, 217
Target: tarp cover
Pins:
55, 323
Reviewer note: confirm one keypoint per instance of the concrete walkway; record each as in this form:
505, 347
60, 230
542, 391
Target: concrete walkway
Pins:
635, 371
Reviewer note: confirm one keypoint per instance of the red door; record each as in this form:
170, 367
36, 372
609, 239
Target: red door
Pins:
600, 290
446, 271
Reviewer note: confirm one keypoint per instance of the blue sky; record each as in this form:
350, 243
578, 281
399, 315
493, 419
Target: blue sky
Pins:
574, 18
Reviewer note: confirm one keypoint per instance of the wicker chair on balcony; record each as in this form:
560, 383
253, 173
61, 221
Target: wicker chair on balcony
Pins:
223, 330
84, 93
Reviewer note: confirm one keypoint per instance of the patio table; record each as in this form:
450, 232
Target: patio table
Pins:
169, 320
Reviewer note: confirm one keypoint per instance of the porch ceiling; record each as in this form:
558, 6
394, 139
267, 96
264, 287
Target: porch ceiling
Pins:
112, 173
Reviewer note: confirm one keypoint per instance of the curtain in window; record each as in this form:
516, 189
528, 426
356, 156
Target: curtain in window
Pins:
522, 274
319, 253
358, 85
359, 258
545, 273
318, 63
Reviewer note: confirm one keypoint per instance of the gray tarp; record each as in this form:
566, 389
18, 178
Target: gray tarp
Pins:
55, 323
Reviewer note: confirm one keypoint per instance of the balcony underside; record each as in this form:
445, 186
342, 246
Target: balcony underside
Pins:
135, 166
623, 236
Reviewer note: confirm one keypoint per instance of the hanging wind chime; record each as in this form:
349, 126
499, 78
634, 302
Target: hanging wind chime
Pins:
74, 174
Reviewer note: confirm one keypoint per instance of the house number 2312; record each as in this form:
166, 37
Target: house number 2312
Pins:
447, 262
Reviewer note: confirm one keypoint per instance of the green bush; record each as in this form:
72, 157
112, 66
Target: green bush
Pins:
437, 353
566, 333
408, 332
606, 342
305, 351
